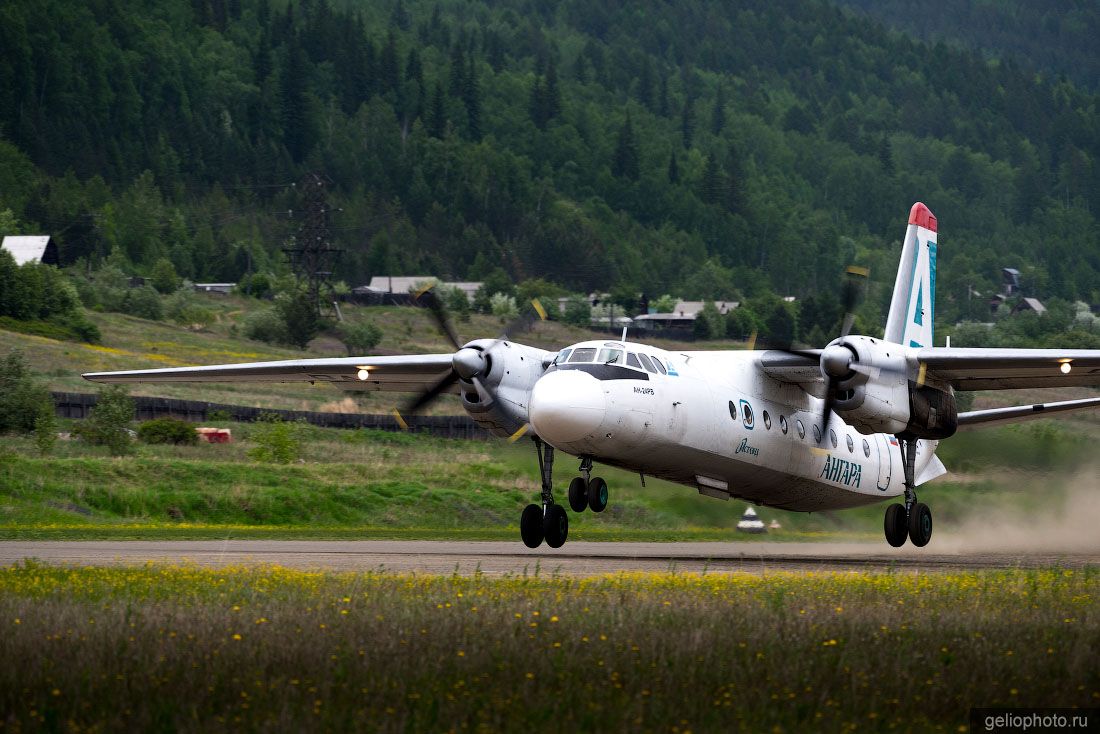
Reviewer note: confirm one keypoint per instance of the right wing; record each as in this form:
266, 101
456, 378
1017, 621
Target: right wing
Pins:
982, 418
1007, 369
406, 373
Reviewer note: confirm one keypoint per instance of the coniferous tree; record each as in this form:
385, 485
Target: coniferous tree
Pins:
718, 115
687, 123
471, 98
673, 169
711, 187
663, 107
293, 102
625, 162
457, 79
437, 113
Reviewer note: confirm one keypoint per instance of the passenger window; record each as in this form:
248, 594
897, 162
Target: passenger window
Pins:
832, 437
748, 415
866, 449
767, 421
611, 356
783, 424
851, 445
632, 361
585, 354
733, 410
659, 366
801, 429
647, 364
817, 434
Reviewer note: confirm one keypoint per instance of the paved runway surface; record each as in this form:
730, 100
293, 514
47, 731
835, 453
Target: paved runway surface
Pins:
577, 558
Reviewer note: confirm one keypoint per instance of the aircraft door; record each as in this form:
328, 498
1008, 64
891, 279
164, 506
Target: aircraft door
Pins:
885, 460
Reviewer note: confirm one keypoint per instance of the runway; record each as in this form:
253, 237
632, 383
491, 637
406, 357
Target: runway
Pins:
501, 558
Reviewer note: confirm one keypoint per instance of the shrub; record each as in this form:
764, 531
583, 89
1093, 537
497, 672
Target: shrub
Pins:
360, 338
164, 276
167, 430
578, 311
22, 398
277, 441
45, 428
143, 302
265, 326
299, 315
108, 425
503, 306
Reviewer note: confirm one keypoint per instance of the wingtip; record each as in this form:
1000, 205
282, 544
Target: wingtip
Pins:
922, 216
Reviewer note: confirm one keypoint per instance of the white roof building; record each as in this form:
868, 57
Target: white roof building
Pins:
751, 522
32, 248
412, 283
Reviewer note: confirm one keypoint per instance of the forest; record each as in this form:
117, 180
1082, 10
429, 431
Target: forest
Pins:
705, 150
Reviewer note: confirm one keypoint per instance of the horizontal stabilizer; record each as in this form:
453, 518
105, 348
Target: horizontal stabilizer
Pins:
983, 418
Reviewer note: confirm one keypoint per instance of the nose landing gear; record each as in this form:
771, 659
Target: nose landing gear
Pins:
550, 521
913, 519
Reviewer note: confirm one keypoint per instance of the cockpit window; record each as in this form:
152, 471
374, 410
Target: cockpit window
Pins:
611, 356
584, 354
563, 355
659, 366
632, 361
647, 364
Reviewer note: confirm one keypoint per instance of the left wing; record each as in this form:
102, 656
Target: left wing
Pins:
1008, 369
413, 373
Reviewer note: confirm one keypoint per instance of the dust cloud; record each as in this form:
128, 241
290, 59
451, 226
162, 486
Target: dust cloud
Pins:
1064, 518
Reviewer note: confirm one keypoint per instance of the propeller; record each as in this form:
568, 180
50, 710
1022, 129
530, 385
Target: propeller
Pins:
837, 360
468, 363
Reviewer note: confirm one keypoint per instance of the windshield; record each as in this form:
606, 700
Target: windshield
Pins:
563, 355
584, 354
611, 356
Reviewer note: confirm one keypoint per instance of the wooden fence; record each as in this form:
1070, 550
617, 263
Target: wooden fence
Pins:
78, 405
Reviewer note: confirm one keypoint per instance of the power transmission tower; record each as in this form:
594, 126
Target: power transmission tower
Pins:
310, 252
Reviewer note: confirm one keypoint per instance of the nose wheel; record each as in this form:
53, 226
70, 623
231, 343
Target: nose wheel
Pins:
549, 522
913, 519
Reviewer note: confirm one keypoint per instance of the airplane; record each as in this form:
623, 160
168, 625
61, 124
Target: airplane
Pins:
854, 423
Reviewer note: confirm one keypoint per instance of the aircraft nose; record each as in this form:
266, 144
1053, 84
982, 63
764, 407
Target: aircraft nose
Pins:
567, 405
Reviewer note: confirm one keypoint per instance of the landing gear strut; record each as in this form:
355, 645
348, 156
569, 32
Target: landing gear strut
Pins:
913, 518
549, 522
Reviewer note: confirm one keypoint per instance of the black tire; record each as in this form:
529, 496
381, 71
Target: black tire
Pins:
920, 525
578, 494
896, 525
556, 526
597, 495
530, 526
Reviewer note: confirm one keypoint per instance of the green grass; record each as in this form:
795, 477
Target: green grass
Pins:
182, 648
374, 484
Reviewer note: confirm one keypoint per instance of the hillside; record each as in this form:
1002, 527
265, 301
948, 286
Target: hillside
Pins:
690, 148
134, 343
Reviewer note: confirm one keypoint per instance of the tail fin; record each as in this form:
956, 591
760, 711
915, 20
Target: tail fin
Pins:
913, 306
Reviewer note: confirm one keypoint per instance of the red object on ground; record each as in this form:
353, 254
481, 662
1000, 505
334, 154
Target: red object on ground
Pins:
215, 435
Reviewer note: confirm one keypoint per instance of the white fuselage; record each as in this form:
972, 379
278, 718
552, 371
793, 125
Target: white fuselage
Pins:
716, 422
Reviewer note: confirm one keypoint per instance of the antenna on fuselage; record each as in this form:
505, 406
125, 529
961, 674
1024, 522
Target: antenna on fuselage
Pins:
624, 333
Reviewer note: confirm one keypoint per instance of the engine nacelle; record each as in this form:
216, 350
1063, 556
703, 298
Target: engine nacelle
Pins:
878, 396
874, 395
511, 370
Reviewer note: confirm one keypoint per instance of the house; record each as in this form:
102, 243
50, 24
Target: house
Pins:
32, 248
222, 288
381, 286
1029, 304
682, 316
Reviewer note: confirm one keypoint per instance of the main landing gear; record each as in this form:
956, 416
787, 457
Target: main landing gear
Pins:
913, 519
549, 522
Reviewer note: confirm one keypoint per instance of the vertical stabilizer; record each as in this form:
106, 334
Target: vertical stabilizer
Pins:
913, 306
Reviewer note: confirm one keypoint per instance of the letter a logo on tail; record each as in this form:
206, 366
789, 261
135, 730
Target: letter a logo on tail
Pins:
913, 306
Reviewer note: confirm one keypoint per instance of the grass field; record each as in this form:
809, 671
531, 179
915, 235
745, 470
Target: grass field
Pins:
190, 649
373, 484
